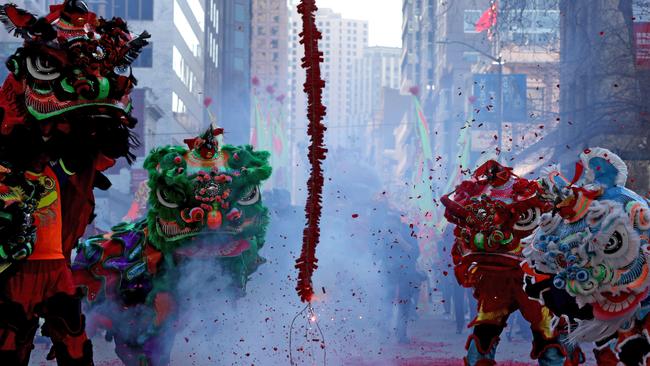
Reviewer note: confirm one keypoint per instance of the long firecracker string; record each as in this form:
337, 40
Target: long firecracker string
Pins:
307, 263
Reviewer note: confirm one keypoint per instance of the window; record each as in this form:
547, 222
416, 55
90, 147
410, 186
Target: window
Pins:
186, 31
127, 9
239, 40
216, 54
183, 71
119, 8
240, 13
146, 9
177, 104
133, 7
145, 59
215, 22
238, 63
197, 11
470, 18
180, 113
214, 15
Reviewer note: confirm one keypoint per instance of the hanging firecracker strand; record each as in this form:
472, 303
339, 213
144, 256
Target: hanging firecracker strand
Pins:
313, 87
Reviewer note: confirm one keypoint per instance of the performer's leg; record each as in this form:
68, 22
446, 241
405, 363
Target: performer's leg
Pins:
574, 353
459, 307
482, 345
130, 355
494, 307
16, 334
64, 321
156, 351
471, 303
447, 288
20, 290
547, 349
405, 305
605, 355
635, 351
65, 325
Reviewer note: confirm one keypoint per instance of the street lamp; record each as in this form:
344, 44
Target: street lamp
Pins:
499, 61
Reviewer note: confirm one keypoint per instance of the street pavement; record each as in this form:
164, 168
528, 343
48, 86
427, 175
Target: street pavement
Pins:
434, 342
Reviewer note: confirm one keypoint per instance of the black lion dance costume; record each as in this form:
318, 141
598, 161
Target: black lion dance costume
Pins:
65, 118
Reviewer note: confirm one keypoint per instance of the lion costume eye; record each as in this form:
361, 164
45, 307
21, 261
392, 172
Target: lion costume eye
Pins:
528, 220
251, 197
619, 246
123, 70
163, 198
41, 68
616, 241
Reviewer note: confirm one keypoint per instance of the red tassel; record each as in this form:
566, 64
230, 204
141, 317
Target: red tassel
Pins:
313, 87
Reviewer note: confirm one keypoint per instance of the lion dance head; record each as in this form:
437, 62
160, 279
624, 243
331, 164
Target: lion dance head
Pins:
70, 81
595, 243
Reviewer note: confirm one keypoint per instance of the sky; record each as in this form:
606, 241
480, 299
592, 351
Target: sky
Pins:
384, 18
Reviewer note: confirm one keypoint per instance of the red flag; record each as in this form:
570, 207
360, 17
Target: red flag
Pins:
488, 19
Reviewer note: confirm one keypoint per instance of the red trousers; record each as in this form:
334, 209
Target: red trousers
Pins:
499, 294
41, 289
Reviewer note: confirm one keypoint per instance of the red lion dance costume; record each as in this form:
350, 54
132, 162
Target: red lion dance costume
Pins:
65, 117
492, 212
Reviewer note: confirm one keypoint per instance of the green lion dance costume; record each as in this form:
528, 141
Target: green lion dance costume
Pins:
205, 203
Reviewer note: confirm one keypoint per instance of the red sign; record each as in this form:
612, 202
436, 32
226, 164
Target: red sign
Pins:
642, 44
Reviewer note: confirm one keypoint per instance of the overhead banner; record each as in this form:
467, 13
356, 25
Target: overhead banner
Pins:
486, 97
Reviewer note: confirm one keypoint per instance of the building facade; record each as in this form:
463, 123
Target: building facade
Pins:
379, 68
605, 76
270, 43
445, 54
343, 43
228, 79
172, 69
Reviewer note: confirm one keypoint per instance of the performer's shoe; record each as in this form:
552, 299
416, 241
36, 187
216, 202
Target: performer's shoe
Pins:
11, 358
605, 357
552, 356
477, 356
63, 358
